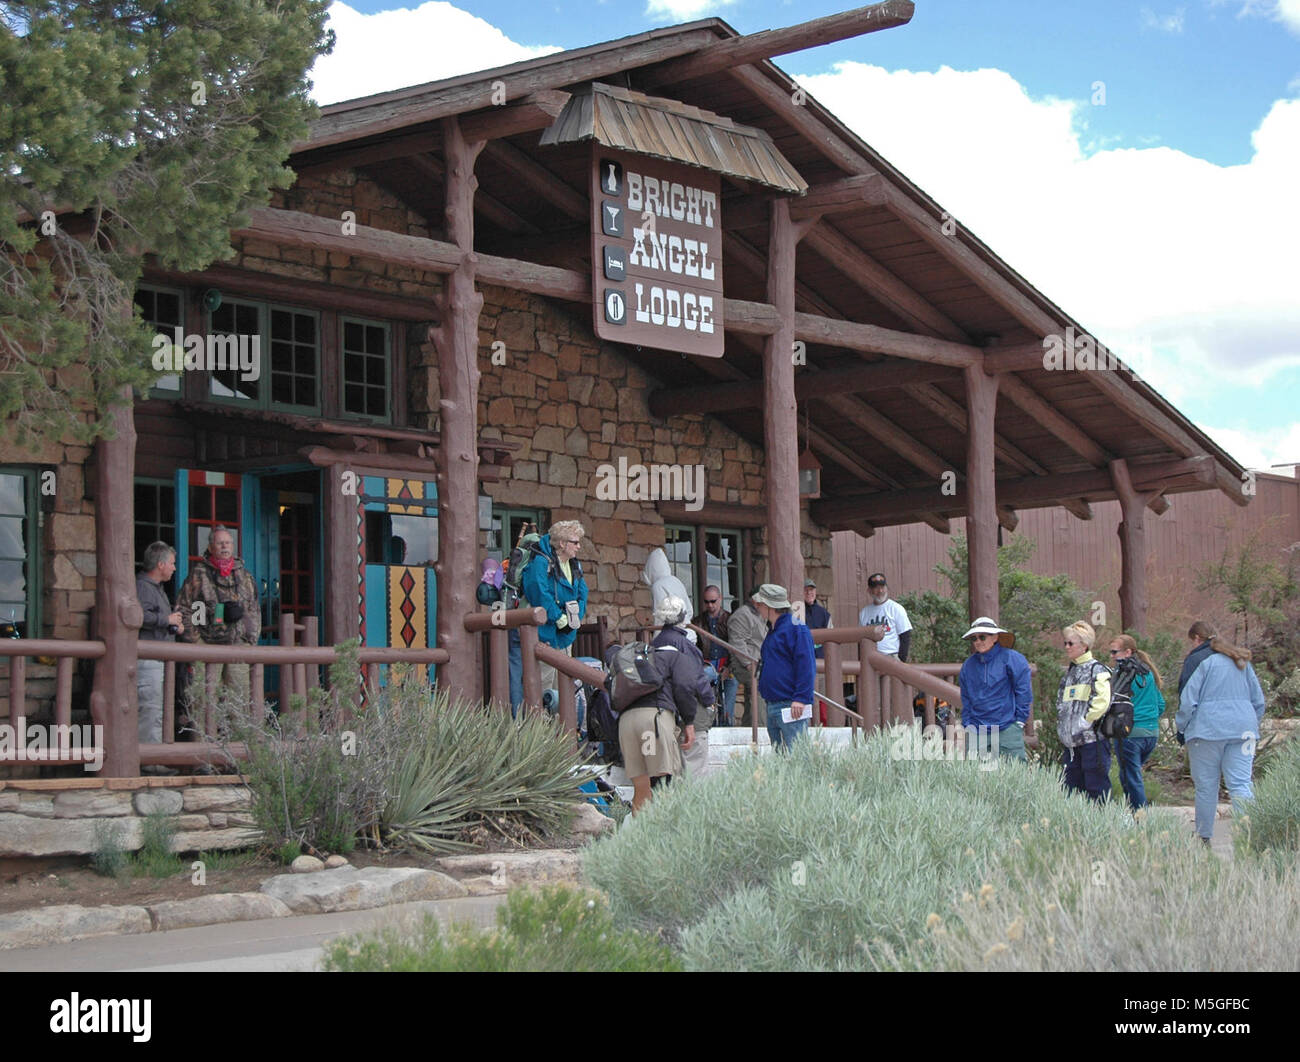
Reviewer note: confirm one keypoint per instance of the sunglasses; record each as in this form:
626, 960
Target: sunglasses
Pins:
876, 586
710, 600
982, 637
1069, 642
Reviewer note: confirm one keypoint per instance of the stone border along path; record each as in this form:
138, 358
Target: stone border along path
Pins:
344, 888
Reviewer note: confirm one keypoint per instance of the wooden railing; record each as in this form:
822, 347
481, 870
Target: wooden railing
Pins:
299, 670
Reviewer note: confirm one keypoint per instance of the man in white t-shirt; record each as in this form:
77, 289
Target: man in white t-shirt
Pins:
887, 613
882, 611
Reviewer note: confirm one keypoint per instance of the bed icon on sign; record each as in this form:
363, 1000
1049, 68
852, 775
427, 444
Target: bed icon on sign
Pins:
615, 307
615, 263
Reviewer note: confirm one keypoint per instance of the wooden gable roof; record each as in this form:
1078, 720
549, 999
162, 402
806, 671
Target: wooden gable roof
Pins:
894, 298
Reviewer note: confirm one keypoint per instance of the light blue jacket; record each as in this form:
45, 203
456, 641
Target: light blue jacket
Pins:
1221, 702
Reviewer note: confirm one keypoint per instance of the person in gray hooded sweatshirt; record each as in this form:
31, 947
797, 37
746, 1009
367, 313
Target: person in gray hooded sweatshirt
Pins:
658, 575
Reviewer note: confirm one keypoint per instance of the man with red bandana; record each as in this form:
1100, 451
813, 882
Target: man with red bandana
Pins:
220, 606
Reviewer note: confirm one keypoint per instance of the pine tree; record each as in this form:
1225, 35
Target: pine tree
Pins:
129, 129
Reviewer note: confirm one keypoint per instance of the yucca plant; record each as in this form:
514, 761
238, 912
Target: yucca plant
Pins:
465, 766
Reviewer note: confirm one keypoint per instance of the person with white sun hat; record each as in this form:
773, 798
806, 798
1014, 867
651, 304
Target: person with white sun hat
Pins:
997, 692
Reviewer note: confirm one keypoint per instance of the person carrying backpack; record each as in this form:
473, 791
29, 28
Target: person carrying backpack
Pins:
1083, 699
553, 581
648, 732
1133, 751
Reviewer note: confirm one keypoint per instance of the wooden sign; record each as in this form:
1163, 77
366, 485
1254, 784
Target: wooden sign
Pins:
656, 253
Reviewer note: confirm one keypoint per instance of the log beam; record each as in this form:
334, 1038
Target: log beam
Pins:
1025, 492
748, 394
981, 512
455, 339
541, 180
780, 412
880, 284
1133, 599
1008, 518
891, 436
1058, 424
754, 47
118, 614
535, 111
938, 402
1077, 507
432, 170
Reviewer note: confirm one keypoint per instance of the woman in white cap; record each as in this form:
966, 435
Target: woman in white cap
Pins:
1083, 698
997, 691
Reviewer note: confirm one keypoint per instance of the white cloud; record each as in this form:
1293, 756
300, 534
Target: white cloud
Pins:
683, 10
1164, 23
1288, 13
1184, 268
396, 49
1258, 449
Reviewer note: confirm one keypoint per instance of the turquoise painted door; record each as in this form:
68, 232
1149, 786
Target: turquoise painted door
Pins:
399, 547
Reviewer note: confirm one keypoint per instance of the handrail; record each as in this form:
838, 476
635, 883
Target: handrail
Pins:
752, 694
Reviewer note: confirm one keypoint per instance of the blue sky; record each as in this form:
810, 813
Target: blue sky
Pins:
1162, 217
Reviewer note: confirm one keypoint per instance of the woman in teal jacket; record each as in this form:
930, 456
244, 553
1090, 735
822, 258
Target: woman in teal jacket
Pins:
1218, 718
1132, 752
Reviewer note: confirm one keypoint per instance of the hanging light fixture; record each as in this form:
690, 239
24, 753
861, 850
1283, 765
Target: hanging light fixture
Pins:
810, 469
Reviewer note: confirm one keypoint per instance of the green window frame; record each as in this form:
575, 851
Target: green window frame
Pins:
289, 367
365, 370
21, 521
163, 309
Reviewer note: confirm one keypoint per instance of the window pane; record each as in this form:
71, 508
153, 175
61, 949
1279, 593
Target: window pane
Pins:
304, 361
375, 405
351, 335
419, 534
281, 388
11, 538
305, 392
375, 372
227, 505
13, 500
353, 399
13, 589
200, 503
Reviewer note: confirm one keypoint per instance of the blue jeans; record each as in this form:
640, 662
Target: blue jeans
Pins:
726, 704
1087, 769
1207, 760
516, 675
783, 734
1132, 754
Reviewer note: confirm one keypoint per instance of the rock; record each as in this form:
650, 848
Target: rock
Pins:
219, 907
53, 925
335, 861
158, 802
212, 840
306, 864
483, 885
508, 869
222, 798
22, 835
591, 822
350, 889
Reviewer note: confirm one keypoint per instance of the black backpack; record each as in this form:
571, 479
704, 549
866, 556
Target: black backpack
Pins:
1118, 720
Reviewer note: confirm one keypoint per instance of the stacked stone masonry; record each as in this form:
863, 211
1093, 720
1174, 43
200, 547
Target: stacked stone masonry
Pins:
67, 816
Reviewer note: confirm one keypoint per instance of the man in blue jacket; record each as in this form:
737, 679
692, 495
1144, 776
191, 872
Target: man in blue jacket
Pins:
997, 692
553, 580
787, 667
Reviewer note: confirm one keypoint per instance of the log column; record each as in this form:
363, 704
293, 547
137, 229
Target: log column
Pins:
1132, 532
341, 619
456, 341
982, 508
780, 414
118, 614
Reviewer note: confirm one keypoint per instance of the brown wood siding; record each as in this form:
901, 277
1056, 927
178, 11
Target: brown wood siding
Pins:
1193, 533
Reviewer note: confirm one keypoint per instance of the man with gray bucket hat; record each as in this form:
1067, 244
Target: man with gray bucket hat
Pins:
787, 668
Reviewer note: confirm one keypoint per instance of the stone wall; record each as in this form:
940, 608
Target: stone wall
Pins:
66, 816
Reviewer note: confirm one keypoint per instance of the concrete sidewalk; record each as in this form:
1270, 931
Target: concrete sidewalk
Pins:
294, 943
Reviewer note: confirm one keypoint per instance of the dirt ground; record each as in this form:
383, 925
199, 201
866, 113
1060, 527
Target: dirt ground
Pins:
27, 883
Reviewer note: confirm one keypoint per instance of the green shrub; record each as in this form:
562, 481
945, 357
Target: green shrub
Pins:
1272, 819
462, 769
556, 929
855, 860
413, 768
110, 857
155, 858
833, 860
1147, 901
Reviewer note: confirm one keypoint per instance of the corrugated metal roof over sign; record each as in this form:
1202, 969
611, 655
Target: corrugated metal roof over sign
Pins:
665, 129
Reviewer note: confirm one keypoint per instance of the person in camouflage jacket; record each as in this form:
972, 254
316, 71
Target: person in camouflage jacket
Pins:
230, 613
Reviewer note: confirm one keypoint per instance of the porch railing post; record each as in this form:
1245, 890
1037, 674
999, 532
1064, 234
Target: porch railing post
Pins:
499, 666
868, 688
532, 672
834, 682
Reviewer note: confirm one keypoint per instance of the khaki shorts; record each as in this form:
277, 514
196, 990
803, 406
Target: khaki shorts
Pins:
649, 749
